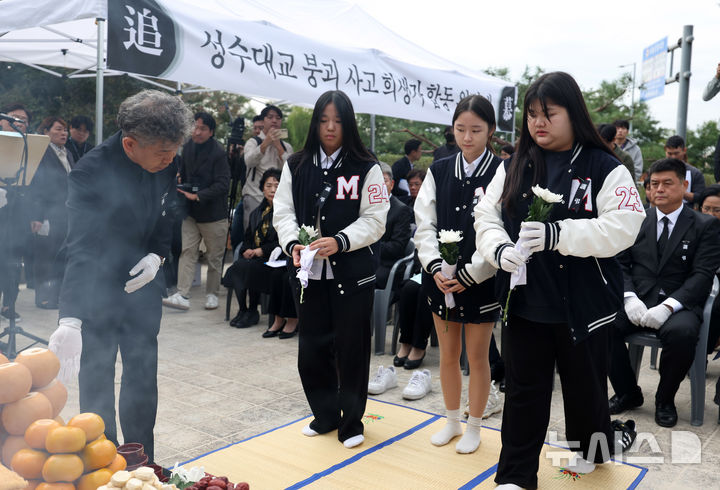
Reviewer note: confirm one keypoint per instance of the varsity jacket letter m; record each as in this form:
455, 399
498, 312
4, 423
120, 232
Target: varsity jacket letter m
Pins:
345, 186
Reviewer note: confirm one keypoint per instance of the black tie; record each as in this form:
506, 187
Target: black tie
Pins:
662, 241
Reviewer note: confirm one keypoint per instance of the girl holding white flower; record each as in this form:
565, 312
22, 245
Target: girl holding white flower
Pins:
574, 284
335, 186
463, 294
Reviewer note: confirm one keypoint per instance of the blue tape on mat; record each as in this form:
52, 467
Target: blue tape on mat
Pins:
480, 478
362, 454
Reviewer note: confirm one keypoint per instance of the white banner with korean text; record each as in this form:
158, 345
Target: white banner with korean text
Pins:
171, 41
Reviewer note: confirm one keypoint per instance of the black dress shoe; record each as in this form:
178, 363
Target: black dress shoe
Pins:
620, 403
238, 319
665, 414
414, 363
399, 361
271, 333
252, 317
287, 335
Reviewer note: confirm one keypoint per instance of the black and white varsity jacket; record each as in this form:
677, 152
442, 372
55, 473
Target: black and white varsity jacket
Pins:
445, 202
354, 213
586, 237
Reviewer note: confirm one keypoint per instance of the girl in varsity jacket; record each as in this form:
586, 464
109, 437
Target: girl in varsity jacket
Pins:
336, 186
574, 283
450, 191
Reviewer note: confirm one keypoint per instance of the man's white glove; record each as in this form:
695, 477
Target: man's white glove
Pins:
147, 268
510, 259
536, 236
3, 197
656, 316
635, 309
66, 343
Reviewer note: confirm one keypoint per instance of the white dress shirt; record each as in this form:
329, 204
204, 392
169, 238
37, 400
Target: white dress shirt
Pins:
470, 167
61, 153
326, 161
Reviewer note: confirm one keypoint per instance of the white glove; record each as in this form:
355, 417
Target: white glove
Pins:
656, 316
510, 259
147, 267
66, 343
3, 197
533, 236
635, 309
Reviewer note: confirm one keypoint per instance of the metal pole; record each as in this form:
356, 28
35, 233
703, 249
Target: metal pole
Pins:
686, 53
99, 81
372, 132
632, 99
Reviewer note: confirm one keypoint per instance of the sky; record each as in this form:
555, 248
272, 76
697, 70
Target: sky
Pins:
569, 35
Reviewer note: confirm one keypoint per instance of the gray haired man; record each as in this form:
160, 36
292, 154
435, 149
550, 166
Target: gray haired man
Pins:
119, 229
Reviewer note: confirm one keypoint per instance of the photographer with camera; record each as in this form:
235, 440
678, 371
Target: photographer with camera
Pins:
263, 152
204, 180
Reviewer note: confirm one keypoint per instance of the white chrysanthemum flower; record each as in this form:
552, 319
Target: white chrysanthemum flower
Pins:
310, 230
449, 236
546, 195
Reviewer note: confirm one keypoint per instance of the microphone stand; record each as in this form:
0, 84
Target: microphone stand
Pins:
12, 259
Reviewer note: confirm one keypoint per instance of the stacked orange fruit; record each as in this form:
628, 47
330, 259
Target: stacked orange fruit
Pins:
59, 457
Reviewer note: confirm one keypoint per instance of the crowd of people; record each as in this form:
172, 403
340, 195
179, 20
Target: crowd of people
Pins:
570, 285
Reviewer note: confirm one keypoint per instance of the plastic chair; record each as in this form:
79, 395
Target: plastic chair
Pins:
638, 341
383, 297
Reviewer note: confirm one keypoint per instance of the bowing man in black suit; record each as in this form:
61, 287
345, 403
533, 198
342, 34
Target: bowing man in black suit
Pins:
667, 273
397, 231
119, 231
401, 167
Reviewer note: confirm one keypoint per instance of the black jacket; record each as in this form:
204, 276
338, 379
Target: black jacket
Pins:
685, 271
207, 168
397, 233
78, 149
270, 241
445, 151
48, 191
400, 169
117, 214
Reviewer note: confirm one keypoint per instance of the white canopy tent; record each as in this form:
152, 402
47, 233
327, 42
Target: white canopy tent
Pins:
73, 35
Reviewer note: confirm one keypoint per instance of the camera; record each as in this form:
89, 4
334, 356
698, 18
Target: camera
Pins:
191, 188
237, 129
283, 134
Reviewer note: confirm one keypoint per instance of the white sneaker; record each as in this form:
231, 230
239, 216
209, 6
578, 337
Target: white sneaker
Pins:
177, 301
420, 384
384, 379
211, 302
494, 403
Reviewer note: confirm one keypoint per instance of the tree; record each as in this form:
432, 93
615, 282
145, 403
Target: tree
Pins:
701, 145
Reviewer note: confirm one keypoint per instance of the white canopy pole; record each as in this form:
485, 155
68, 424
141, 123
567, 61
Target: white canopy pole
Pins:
99, 81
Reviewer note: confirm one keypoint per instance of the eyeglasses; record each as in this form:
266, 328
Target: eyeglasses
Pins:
709, 210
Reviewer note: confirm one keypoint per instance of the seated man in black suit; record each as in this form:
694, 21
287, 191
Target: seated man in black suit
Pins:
668, 273
401, 167
397, 231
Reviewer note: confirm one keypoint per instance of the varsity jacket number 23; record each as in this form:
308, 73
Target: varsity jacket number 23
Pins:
353, 213
606, 222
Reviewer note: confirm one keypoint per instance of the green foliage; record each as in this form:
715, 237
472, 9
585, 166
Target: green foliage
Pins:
391, 158
701, 145
298, 124
392, 133
222, 105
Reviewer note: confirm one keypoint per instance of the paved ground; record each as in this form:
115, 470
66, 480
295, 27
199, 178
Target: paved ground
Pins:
220, 385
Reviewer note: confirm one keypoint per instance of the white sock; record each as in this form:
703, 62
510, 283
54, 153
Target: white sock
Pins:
308, 431
579, 465
471, 439
508, 486
354, 441
452, 429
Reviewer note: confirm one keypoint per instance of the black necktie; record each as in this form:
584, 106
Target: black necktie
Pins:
662, 241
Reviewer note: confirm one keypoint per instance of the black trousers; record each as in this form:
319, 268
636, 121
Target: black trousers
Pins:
678, 337
714, 330
415, 318
532, 350
281, 301
334, 356
133, 332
